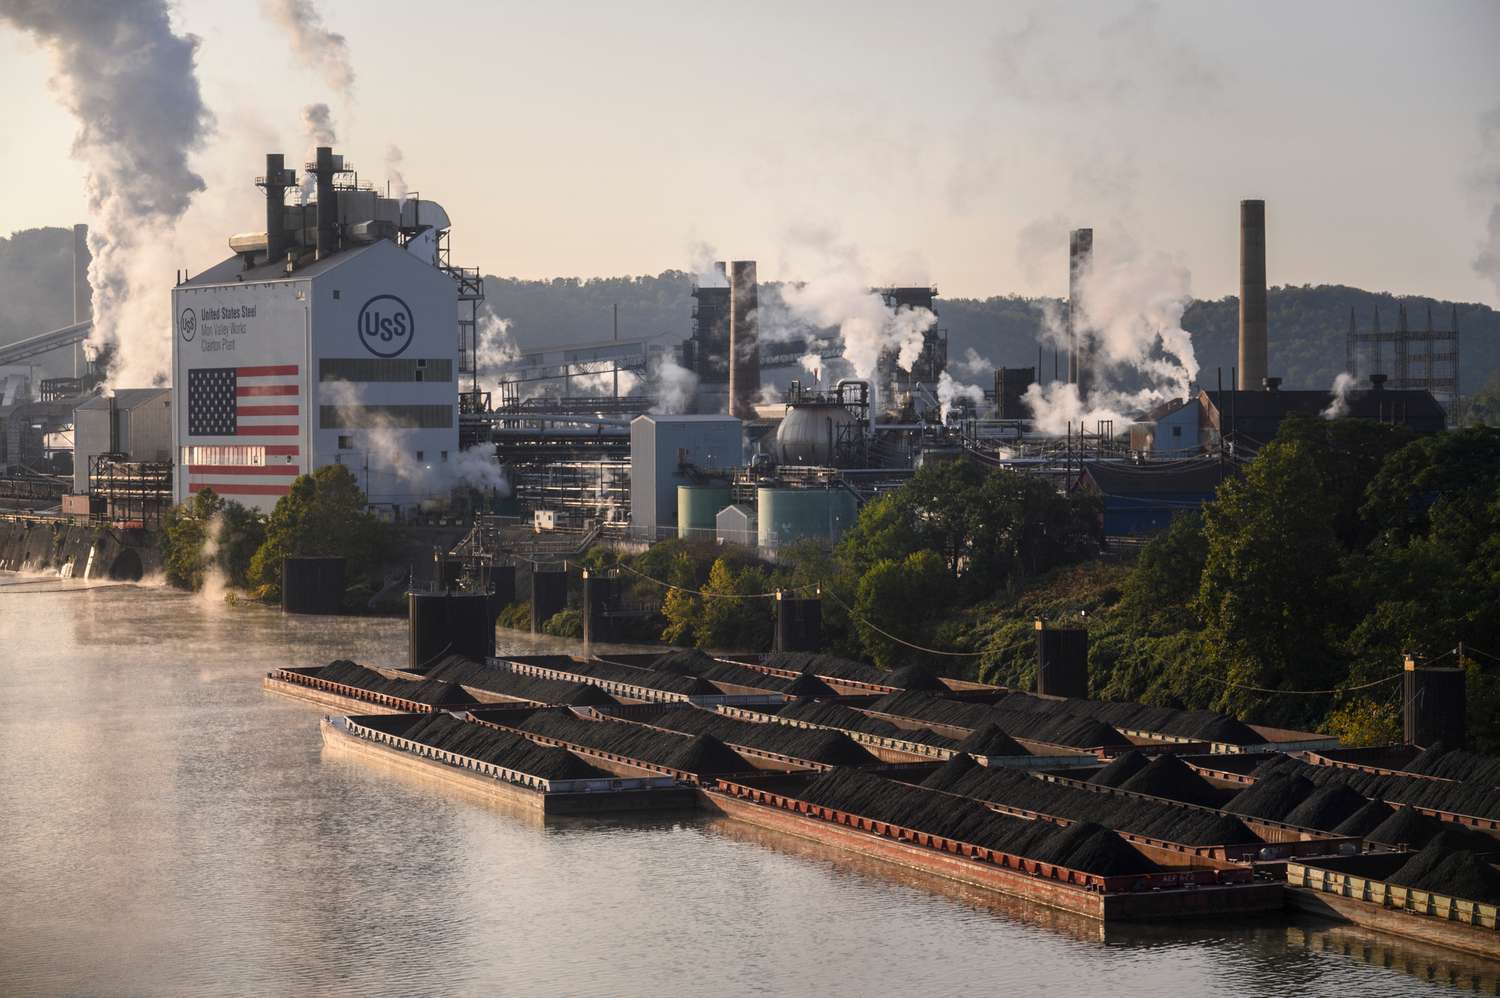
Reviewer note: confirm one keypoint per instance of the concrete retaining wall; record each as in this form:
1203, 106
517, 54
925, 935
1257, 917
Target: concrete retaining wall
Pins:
77, 551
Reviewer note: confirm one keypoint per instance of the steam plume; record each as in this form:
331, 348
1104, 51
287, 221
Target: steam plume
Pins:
674, 386
393, 175
950, 391
1342, 386
1487, 263
315, 46
130, 82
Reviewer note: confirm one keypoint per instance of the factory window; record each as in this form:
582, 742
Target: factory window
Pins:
367, 369
337, 294
233, 456
421, 456
346, 442
413, 417
1176, 431
445, 455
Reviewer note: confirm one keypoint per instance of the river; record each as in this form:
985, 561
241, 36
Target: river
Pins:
168, 828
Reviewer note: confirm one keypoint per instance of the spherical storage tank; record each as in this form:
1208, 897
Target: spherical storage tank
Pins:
808, 433
786, 515
697, 506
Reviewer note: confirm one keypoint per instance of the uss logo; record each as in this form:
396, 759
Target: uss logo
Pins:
386, 326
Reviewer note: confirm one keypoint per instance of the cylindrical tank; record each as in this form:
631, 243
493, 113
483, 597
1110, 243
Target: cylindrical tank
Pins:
787, 515
312, 585
809, 434
697, 506
449, 624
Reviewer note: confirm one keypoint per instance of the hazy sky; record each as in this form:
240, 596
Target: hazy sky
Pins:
946, 142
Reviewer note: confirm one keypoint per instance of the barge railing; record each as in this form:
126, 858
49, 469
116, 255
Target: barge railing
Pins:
1389, 895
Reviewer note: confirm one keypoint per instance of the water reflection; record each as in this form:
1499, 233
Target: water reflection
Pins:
166, 827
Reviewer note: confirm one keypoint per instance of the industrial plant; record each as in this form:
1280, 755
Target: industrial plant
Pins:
343, 334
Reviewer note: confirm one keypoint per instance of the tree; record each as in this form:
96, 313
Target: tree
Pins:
906, 598
209, 534
1158, 595
323, 514
1271, 546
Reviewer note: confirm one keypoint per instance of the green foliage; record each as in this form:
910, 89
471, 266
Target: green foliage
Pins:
719, 619
1364, 721
516, 617
911, 595
209, 531
564, 624
324, 514
1159, 595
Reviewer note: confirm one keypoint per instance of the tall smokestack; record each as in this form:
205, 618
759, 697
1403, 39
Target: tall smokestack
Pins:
744, 340
275, 183
82, 295
1252, 295
327, 203
1080, 339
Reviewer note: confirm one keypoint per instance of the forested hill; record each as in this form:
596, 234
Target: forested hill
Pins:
1307, 323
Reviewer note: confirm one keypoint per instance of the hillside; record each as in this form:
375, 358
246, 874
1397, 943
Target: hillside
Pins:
1308, 323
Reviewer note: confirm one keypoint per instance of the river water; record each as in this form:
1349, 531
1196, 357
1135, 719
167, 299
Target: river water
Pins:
166, 828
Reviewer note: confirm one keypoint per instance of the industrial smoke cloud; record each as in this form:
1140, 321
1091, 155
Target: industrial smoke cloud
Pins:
130, 82
1487, 263
314, 45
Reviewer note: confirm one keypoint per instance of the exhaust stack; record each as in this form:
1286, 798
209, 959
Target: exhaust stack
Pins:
1080, 339
744, 339
328, 202
277, 179
1253, 364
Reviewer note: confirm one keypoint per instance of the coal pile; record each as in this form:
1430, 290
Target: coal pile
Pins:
914, 677
666, 682
829, 667
834, 715
820, 745
1271, 799
1120, 769
705, 754
1052, 728
693, 662
1457, 874
1327, 808
500, 748
1197, 725
1168, 776
425, 691
991, 741
1477, 800
1404, 828
1365, 820
1455, 764
628, 740
1089, 850
502, 681
1155, 819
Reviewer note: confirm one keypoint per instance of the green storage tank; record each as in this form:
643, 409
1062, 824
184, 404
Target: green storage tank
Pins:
697, 505
787, 515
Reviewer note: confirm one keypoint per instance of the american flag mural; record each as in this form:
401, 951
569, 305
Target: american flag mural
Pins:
243, 428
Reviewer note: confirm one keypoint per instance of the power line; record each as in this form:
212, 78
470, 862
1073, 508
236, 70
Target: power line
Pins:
900, 641
707, 595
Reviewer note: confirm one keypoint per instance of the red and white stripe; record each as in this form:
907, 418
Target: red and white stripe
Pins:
269, 421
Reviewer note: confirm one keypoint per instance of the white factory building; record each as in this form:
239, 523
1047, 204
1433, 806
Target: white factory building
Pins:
345, 354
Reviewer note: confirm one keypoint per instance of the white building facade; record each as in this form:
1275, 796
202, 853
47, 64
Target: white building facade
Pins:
352, 359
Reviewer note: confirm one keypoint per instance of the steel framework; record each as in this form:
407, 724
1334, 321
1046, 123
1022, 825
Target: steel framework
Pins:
1413, 359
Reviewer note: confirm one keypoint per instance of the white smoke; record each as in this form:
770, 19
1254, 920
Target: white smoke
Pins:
395, 179
839, 294
130, 82
317, 130
769, 395
1131, 304
812, 363
1343, 386
703, 264
674, 386
315, 46
974, 365
389, 451
497, 349
600, 378
1487, 262
950, 391
215, 583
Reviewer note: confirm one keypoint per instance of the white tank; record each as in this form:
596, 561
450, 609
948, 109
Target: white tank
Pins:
809, 434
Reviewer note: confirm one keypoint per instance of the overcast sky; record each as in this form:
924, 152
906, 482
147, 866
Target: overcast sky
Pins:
946, 142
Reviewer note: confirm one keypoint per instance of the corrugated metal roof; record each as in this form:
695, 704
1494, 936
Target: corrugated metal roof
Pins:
233, 270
